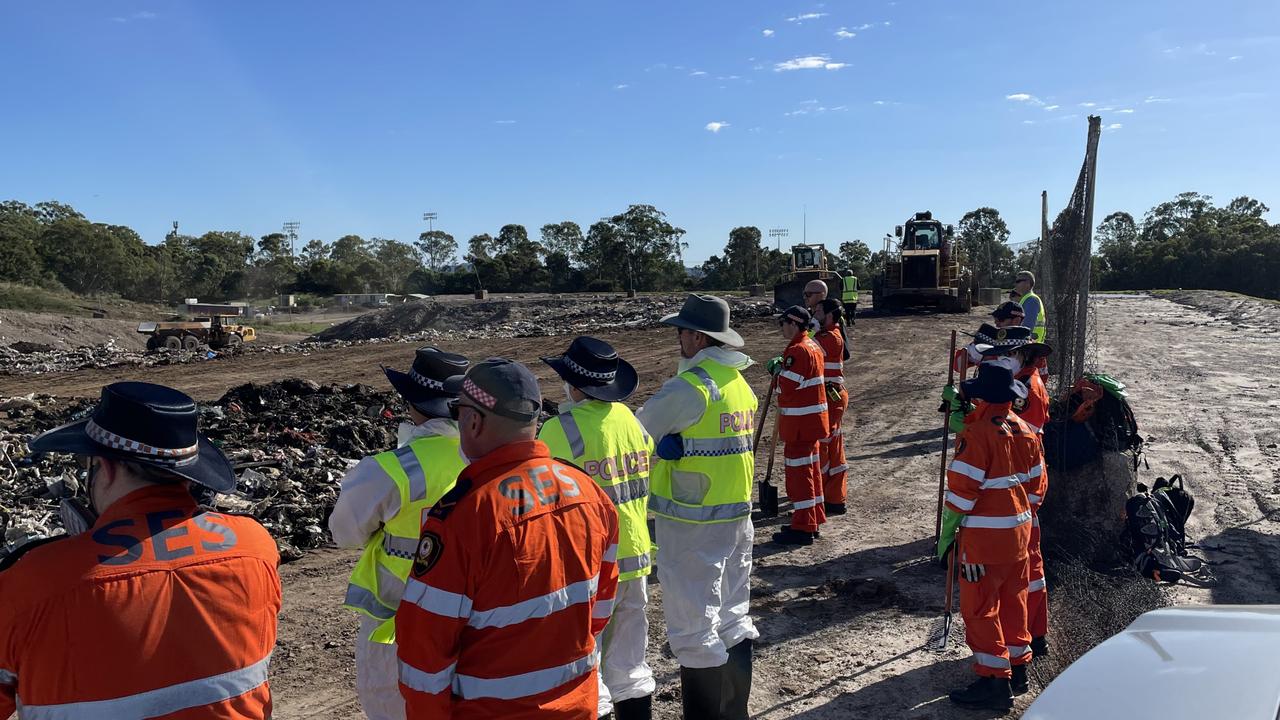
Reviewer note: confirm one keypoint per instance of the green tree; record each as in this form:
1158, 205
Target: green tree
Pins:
855, 257
397, 261
19, 234
984, 239
1116, 238
438, 248
637, 248
564, 238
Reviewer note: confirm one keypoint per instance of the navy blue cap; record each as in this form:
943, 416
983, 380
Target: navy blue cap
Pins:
994, 383
500, 386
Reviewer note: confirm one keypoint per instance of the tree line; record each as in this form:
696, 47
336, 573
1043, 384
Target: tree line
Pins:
1186, 242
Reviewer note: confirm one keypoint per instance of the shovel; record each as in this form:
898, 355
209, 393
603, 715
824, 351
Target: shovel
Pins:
941, 635
768, 493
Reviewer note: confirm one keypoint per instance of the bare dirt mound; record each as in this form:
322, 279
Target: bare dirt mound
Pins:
525, 317
1228, 308
67, 332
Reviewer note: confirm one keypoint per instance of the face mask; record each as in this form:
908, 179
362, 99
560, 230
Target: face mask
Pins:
407, 432
568, 393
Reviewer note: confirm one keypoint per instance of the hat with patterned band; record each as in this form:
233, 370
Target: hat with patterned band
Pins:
423, 386
593, 366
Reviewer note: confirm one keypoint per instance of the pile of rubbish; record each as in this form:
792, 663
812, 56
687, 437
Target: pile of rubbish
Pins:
290, 442
556, 315
23, 358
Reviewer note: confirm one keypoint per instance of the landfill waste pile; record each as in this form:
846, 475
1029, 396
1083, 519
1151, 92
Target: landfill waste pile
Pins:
290, 442
555, 315
23, 358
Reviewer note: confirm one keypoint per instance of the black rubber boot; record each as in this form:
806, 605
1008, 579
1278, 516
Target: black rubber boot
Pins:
1018, 684
640, 708
1039, 647
700, 692
987, 693
834, 508
790, 536
737, 682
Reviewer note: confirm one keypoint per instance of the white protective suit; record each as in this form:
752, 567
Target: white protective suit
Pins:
704, 569
368, 500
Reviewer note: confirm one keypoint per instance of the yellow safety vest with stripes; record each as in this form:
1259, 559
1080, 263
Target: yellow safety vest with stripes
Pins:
712, 482
423, 471
610, 445
849, 290
1037, 332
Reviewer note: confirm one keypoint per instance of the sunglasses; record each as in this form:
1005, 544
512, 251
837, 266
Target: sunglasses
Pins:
812, 292
455, 406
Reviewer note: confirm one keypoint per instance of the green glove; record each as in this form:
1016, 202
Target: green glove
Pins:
774, 366
950, 524
955, 421
949, 394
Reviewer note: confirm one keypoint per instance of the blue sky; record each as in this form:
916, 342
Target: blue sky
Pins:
358, 117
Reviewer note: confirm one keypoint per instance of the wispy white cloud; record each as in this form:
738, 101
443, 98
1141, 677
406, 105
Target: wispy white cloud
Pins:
808, 102
806, 16
1025, 98
504, 122
863, 26
716, 127
1088, 104
1051, 108
809, 62
1028, 122
767, 32
1236, 58
1125, 111
140, 15
1114, 126
621, 86
1105, 109
887, 23
697, 73
878, 102
1156, 99
844, 34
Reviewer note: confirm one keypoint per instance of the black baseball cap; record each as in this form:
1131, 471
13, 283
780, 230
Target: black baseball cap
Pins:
1008, 311
500, 386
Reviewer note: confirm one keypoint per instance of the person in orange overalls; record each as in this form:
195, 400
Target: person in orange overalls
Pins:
515, 573
831, 338
150, 606
802, 422
987, 495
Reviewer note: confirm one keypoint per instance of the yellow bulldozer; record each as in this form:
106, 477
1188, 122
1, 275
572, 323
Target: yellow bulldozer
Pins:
809, 262
923, 269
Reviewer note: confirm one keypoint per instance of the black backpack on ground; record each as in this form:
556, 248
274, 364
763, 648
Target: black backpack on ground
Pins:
1155, 532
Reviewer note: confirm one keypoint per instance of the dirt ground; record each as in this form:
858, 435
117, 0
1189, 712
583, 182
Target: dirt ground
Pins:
842, 622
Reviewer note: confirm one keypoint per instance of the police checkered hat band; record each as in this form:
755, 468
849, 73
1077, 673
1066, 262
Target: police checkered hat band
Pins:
569, 363
425, 381
175, 457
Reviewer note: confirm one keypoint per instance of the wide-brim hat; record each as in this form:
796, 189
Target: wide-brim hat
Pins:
423, 386
593, 366
708, 315
147, 424
995, 383
1001, 341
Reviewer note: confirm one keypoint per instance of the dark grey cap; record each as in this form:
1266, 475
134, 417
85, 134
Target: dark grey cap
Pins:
500, 386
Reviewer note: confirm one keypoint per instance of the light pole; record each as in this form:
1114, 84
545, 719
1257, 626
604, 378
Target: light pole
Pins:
430, 217
779, 233
291, 229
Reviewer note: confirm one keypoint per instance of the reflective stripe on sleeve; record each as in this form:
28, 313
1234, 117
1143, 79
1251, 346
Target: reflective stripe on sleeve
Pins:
426, 682
838, 469
603, 609
1033, 499
699, 513
1035, 585
963, 504
964, 468
996, 523
717, 447
413, 469
1017, 651
805, 504
577, 445
1035, 521
991, 661
625, 492
801, 462
517, 686
806, 410
832, 366
712, 388
835, 379
611, 553
437, 601
161, 701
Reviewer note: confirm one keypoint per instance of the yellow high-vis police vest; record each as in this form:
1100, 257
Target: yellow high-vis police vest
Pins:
424, 470
610, 445
849, 290
1037, 332
712, 482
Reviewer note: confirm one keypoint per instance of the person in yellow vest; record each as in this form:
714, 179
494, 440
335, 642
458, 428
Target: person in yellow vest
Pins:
381, 507
700, 491
849, 295
599, 434
1024, 285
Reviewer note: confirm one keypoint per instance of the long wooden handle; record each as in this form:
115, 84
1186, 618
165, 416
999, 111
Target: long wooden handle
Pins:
946, 436
773, 450
773, 383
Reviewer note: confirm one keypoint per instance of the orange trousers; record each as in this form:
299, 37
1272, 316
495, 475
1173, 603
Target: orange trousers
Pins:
831, 447
804, 485
995, 618
1037, 594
